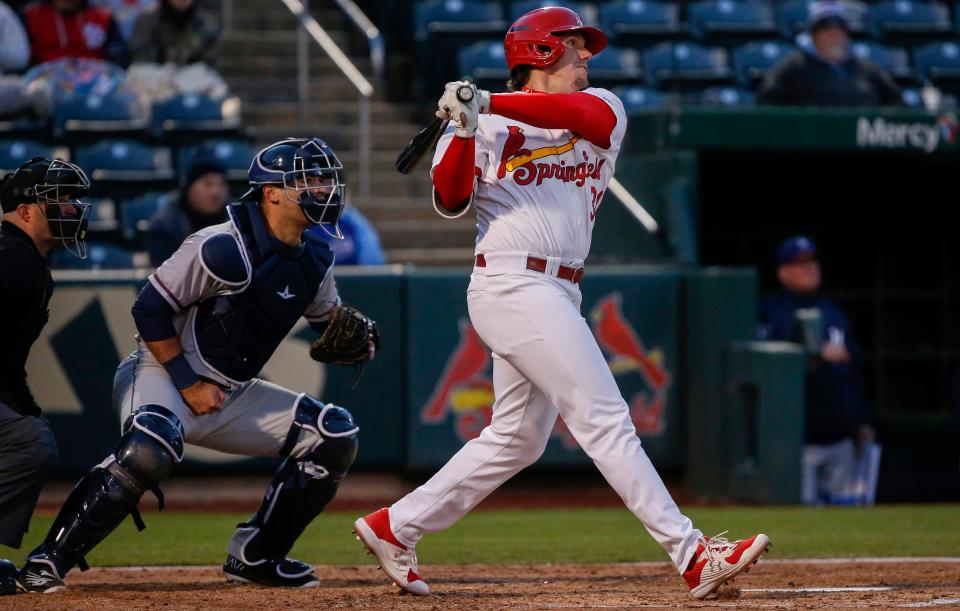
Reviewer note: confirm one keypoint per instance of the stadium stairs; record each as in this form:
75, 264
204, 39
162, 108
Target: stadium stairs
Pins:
259, 61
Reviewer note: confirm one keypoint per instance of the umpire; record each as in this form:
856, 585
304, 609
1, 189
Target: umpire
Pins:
41, 209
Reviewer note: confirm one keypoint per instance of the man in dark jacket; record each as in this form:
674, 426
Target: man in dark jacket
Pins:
836, 410
828, 74
175, 31
202, 202
41, 208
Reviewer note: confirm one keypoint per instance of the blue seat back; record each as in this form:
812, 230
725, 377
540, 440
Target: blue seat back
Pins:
234, 155
518, 9
909, 17
616, 63
752, 60
685, 61
894, 60
637, 98
454, 15
15, 152
937, 60
122, 154
730, 16
135, 211
639, 17
482, 58
726, 96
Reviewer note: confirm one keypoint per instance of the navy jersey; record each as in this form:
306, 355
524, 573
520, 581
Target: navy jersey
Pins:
835, 397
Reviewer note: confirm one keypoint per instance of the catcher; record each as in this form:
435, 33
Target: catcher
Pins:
209, 318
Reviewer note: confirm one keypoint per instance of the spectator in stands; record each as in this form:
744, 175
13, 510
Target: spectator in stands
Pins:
71, 28
202, 202
360, 244
15, 47
175, 31
828, 74
836, 409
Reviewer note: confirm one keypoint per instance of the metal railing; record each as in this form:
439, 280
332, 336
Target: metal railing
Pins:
310, 27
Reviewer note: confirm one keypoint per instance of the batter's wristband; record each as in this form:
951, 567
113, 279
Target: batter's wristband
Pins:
181, 372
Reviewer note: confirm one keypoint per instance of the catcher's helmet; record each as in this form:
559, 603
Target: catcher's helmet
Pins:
309, 167
60, 186
534, 39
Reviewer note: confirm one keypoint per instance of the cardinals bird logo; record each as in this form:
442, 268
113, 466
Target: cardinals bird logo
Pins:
465, 388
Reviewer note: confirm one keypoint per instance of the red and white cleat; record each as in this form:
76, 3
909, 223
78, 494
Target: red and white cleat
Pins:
397, 560
718, 561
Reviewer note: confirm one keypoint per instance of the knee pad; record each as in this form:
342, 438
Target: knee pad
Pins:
151, 445
323, 436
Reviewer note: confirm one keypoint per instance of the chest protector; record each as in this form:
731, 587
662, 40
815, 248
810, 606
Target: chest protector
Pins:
238, 332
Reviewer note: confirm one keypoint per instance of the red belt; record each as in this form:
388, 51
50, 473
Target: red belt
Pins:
539, 264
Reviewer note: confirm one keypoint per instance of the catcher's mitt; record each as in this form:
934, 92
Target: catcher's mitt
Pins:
346, 339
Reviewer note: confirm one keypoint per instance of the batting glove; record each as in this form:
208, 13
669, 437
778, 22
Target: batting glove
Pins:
463, 114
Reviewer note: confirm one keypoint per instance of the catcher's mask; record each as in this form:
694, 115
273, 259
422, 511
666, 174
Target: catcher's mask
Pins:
60, 186
309, 167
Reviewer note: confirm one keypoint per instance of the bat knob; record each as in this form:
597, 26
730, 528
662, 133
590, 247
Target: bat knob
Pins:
465, 94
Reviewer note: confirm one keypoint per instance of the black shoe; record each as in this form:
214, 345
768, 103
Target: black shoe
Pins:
8, 578
286, 573
40, 576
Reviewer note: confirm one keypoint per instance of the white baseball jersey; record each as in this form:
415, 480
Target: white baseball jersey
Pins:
538, 190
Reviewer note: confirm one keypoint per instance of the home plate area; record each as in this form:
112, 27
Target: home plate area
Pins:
779, 584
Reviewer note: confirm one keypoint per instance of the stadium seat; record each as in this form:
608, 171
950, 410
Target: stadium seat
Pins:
103, 214
731, 21
100, 255
940, 63
441, 29
892, 59
136, 212
120, 168
235, 155
636, 98
752, 60
586, 12
640, 21
192, 117
685, 66
457, 16
726, 96
485, 63
909, 20
92, 116
792, 17
615, 66
15, 152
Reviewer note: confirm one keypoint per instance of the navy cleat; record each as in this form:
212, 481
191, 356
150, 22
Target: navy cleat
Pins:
40, 577
286, 573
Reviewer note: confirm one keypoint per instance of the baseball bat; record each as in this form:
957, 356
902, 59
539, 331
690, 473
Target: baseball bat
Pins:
427, 137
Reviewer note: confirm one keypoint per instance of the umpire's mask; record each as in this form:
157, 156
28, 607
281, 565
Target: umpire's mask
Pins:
60, 186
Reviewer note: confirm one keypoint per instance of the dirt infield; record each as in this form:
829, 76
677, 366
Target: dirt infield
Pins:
880, 584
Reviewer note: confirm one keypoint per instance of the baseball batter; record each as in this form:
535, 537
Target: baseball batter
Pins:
535, 164
208, 319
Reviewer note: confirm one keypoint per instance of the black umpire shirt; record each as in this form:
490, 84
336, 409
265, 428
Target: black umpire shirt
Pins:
804, 79
25, 289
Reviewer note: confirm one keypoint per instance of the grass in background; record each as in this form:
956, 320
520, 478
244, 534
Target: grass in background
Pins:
537, 537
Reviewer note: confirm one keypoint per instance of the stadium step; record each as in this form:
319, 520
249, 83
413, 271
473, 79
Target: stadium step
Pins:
259, 62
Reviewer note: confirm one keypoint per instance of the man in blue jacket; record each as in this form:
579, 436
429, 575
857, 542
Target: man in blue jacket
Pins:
836, 409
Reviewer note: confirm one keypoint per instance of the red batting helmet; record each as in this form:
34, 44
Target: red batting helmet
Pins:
533, 39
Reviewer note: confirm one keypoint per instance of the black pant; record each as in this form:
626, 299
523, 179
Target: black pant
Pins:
28, 454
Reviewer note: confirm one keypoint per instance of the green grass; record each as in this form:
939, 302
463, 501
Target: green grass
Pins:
595, 535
